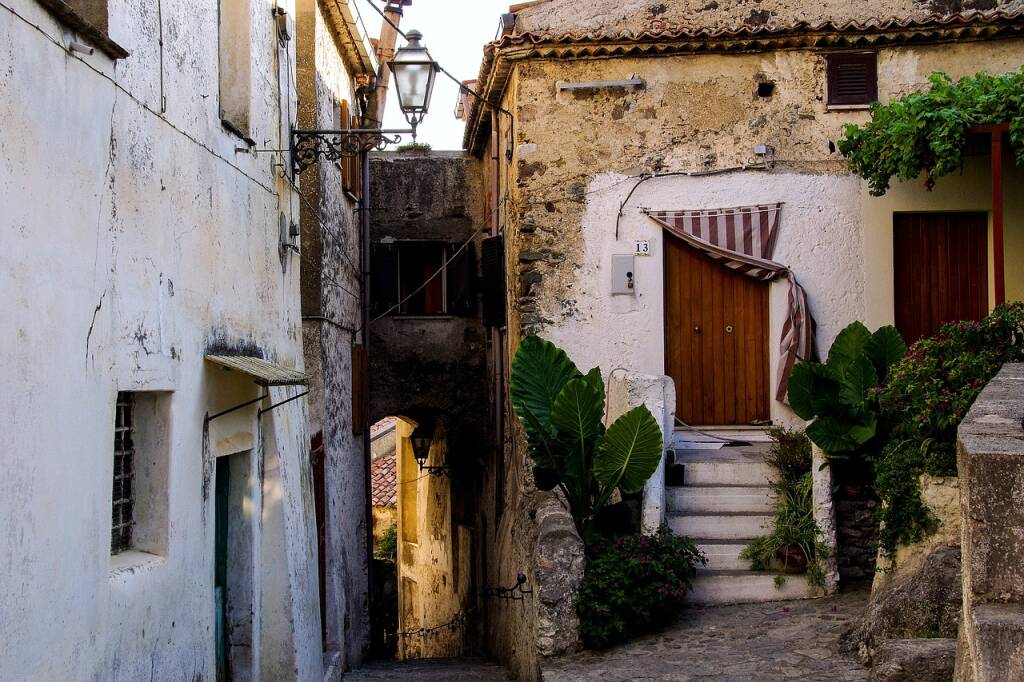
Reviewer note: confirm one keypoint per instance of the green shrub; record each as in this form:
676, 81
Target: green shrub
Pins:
926, 397
387, 548
926, 132
635, 584
790, 453
562, 412
794, 527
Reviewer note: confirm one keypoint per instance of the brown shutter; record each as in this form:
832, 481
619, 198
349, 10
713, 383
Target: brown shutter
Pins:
493, 284
356, 170
346, 170
852, 78
360, 389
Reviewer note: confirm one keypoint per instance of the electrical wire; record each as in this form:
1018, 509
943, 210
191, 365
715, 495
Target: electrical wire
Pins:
431, 278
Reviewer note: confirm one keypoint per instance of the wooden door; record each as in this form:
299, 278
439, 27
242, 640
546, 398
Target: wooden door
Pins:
716, 336
941, 270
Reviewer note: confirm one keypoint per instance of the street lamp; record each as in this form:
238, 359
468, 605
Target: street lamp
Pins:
414, 73
421, 443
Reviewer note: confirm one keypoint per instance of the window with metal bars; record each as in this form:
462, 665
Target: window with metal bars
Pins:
124, 474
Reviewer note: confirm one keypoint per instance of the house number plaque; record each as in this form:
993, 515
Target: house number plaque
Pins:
643, 247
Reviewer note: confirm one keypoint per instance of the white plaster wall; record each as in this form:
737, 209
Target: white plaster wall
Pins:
820, 238
132, 242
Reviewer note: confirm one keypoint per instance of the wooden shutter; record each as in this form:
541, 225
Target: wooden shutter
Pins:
360, 389
346, 169
852, 78
493, 284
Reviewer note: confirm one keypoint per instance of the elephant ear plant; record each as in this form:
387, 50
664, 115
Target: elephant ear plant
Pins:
841, 394
562, 412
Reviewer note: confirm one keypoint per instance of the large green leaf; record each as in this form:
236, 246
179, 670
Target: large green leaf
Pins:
576, 415
540, 370
801, 390
857, 378
885, 348
831, 435
630, 452
848, 346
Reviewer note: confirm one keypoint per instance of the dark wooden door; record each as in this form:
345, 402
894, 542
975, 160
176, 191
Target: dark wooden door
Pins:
716, 333
941, 270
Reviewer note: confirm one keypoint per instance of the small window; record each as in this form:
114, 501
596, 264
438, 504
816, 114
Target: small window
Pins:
124, 473
139, 481
423, 278
235, 59
852, 78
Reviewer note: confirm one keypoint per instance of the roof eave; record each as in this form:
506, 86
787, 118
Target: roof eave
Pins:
500, 56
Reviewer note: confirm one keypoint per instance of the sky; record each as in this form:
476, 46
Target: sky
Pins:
454, 31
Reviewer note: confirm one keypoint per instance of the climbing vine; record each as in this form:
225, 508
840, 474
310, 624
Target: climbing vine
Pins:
926, 132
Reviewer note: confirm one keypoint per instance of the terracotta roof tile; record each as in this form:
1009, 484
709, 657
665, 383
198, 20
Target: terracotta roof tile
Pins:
384, 481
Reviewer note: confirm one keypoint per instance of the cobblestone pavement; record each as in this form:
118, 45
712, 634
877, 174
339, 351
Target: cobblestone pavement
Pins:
774, 641
430, 670
749, 643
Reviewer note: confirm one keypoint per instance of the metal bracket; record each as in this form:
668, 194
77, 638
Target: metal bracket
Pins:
235, 408
309, 146
263, 411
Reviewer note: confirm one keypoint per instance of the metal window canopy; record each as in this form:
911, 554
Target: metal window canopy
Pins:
309, 145
264, 373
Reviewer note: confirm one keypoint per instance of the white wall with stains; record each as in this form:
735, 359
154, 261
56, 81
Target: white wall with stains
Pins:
820, 239
135, 239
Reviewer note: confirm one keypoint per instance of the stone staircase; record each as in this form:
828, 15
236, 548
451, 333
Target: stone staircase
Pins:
721, 499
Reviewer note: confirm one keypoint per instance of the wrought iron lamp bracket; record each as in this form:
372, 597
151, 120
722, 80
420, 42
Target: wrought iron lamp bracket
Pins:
309, 146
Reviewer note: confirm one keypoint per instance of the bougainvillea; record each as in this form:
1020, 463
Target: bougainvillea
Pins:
927, 395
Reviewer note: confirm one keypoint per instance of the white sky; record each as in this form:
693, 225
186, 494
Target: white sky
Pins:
455, 32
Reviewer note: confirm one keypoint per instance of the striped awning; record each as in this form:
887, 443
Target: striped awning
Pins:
743, 239
263, 372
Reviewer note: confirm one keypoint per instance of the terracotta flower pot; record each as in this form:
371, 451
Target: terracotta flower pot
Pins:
793, 559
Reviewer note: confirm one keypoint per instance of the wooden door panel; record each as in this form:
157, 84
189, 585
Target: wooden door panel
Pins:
716, 326
940, 270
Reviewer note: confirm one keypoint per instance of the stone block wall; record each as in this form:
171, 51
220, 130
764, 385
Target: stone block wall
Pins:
990, 459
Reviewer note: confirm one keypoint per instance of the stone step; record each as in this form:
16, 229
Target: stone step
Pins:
724, 555
709, 472
745, 587
723, 526
721, 498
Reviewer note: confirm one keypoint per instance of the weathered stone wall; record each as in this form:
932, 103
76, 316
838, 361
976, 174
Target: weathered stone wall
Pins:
697, 114
330, 289
136, 239
856, 531
990, 452
429, 364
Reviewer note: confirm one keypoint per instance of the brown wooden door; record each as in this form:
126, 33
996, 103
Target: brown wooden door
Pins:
716, 333
941, 270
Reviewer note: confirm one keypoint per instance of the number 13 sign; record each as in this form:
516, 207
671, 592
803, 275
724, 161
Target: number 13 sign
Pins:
643, 247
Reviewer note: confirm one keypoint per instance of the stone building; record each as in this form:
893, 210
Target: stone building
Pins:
336, 71
609, 134
430, 368
151, 272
